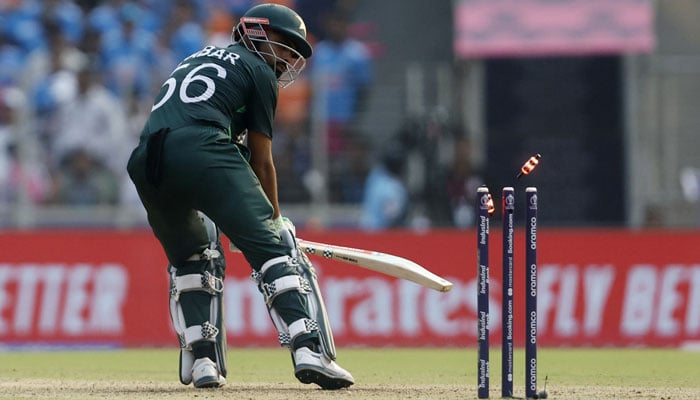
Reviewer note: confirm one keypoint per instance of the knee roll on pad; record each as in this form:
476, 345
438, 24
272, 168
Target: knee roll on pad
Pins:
196, 305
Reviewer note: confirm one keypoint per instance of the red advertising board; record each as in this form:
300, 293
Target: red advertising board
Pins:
596, 288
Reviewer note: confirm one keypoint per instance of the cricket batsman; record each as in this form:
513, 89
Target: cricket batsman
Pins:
196, 179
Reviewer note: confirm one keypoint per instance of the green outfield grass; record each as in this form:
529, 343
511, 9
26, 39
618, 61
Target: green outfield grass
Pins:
385, 373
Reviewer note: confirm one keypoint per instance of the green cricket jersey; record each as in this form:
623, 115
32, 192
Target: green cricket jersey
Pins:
231, 88
187, 150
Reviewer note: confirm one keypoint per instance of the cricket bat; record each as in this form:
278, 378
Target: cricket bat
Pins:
388, 264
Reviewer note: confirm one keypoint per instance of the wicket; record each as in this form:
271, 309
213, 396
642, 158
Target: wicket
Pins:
531, 294
484, 209
508, 213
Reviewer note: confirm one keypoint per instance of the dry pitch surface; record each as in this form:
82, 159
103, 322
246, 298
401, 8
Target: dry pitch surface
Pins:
62, 389
380, 374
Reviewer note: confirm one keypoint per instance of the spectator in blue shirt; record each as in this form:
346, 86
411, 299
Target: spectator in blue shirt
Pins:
342, 70
131, 55
12, 59
385, 203
183, 34
67, 14
20, 21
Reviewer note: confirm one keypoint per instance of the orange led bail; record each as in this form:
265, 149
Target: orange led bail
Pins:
491, 206
529, 165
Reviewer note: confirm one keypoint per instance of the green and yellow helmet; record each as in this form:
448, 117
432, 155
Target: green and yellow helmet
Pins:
251, 31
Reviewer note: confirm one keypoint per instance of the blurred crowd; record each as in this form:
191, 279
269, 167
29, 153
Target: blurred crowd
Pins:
77, 80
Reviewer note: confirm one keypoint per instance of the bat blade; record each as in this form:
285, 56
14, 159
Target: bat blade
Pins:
388, 264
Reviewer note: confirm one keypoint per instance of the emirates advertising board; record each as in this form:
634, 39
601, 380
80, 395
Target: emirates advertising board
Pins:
595, 288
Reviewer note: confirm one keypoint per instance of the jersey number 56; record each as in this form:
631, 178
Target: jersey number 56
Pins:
191, 76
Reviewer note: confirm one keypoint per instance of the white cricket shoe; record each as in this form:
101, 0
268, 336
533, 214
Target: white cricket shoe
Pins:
311, 367
206, 375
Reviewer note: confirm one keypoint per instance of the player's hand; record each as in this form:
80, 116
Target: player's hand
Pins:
281, 223
288, 225
286, 230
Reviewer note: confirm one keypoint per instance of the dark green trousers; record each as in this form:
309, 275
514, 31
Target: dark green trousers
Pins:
199, 168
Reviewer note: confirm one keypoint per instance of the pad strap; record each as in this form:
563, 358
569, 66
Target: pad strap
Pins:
271, 262
205, 282
284, 284
298, 327
196, 333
